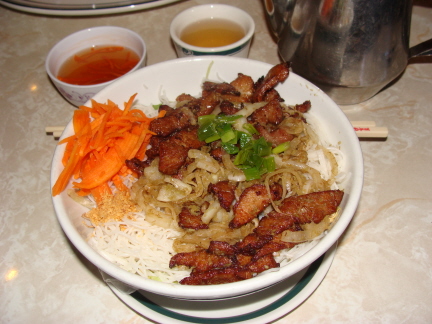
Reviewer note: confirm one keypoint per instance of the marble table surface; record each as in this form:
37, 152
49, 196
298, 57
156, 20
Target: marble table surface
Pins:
382, 270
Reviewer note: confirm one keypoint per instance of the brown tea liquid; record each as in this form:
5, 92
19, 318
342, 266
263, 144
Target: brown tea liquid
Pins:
212, 33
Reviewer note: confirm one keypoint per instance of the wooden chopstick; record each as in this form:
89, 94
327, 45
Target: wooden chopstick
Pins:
52, 129
368, 129
56, 131
363, 123
363, 129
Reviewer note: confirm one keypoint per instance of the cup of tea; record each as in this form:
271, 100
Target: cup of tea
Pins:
212, 29
85, 62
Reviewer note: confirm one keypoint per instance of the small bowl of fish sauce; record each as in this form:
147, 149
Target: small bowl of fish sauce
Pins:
85, 62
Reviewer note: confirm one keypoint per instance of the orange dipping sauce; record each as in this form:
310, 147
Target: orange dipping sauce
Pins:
98, 64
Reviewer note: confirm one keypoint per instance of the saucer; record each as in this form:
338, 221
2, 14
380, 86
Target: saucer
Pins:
82, 7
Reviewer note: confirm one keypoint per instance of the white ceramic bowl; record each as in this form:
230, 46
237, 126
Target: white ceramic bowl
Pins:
212, 11
185, 76
84, 39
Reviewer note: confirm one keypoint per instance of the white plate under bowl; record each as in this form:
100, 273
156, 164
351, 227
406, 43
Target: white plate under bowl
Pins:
82, 7
261, 307
179, 76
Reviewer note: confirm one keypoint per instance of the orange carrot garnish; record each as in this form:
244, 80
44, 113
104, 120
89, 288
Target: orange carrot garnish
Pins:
105, 137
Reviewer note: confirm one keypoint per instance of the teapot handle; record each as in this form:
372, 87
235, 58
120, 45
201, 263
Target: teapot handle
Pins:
422, 49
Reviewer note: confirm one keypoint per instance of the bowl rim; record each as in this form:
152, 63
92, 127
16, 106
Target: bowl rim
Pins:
89, 30
223, 290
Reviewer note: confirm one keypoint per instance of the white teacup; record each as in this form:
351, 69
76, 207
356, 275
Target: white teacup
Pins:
85, 39
207, 12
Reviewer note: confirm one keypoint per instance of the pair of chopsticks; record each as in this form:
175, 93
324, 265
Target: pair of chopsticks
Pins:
363, 129
55, 131
369, 129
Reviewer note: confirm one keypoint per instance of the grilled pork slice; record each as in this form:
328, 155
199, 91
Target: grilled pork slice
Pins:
223, 263
173, 150
265, 85
191, 219
174, 120
245, 85
272, 113
252, 202
297, 210
275, 136
171, 157
201, 260
225, 193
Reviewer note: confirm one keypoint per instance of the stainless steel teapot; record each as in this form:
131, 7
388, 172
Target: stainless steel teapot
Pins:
351, 49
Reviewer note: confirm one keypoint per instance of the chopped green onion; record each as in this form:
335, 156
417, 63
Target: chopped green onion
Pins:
230, 148
206, 119
250, 128
225, 132
252, 174
255, 160
262, 147
206, 132
269, 164
281, 148
235, 139
210, 125
206, 127
242, 157
230, 119
243, 138
228, 136
212, 138
156, 107
251, 156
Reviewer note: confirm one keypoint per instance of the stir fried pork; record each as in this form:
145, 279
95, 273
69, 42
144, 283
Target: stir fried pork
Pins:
173, 150
228, 96
190, 217
174, 120
245, 85
252, 202
264, 89
229, 108
271, 113
225, 265
177, 133
275, 136
225, 193
298, 210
